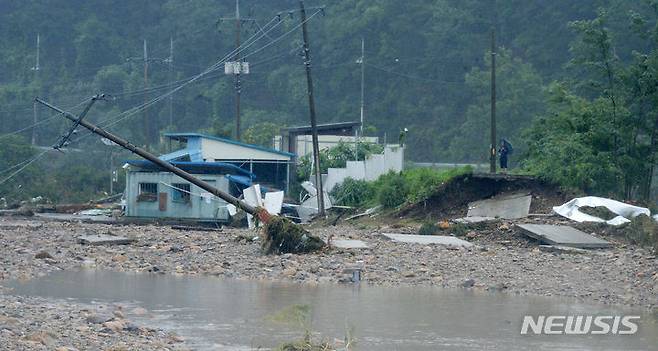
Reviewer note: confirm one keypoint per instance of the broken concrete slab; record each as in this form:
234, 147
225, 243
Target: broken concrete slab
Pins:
349, 244
428, 239
104, 239
512, 206
562, 235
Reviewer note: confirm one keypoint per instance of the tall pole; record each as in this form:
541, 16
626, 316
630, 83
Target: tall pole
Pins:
147, 126
237, 76
311, 106
363, 75
171, 78
35, 117
493, 103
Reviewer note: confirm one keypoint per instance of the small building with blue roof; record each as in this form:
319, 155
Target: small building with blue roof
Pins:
227, 164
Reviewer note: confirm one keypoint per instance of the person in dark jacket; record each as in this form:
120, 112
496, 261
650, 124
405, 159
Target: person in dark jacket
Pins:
503, 153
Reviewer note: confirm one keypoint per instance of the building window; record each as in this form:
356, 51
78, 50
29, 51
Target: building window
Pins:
148, 192
180, 192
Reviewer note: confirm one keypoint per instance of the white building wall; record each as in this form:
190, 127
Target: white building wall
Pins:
374, 166
216, 150
305, 142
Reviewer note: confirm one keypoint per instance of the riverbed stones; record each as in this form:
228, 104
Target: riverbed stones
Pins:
42, 255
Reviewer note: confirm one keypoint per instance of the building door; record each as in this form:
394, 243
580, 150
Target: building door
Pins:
208, 202
162, 202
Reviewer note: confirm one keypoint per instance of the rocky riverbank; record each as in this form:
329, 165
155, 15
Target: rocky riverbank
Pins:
33, 323
501, 260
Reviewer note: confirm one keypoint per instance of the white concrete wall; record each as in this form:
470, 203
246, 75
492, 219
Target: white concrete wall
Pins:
391, 160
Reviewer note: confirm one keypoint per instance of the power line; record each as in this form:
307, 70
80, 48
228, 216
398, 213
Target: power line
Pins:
40, 122
24, 166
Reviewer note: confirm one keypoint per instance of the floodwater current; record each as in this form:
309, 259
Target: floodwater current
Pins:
223, 314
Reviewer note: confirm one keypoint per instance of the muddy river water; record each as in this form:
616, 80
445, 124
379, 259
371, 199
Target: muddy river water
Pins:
220, 314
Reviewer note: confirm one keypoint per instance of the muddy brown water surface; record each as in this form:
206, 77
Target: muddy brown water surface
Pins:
227, 314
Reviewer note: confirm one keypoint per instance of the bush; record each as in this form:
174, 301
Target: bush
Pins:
643, 230
392, 190
352, 192
428, 228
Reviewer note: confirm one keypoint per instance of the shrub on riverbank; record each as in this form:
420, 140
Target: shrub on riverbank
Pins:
394, 189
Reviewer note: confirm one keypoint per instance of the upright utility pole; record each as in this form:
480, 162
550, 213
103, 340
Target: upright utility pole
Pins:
363, 75
147, 125
237, 75
170, 61
237, 67
35, 117
493, 103
311, 106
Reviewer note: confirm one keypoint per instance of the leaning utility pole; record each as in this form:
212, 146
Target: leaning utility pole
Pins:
258, 212
35, 118
493, 103
311, 106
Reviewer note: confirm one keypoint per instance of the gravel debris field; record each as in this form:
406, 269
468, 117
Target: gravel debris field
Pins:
501, 260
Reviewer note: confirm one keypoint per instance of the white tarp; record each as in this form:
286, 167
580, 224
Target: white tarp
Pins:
624, 211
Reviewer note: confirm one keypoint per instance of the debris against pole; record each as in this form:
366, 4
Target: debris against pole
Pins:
281, 235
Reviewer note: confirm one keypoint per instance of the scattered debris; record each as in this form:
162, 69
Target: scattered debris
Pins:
624, 211
104, 239
507, 206
22, 211
96, 212
349, 244
272, 203
562, 235
283, 236
108, 199
428, 239
368, 212
195, 228
562, 249
475, 219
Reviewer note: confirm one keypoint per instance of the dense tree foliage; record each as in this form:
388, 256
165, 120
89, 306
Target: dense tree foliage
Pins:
601, 132
587, 66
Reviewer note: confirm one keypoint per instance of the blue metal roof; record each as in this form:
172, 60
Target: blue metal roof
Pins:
196, 167
178, 136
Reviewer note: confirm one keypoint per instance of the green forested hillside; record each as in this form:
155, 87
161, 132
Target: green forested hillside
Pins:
426, 66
